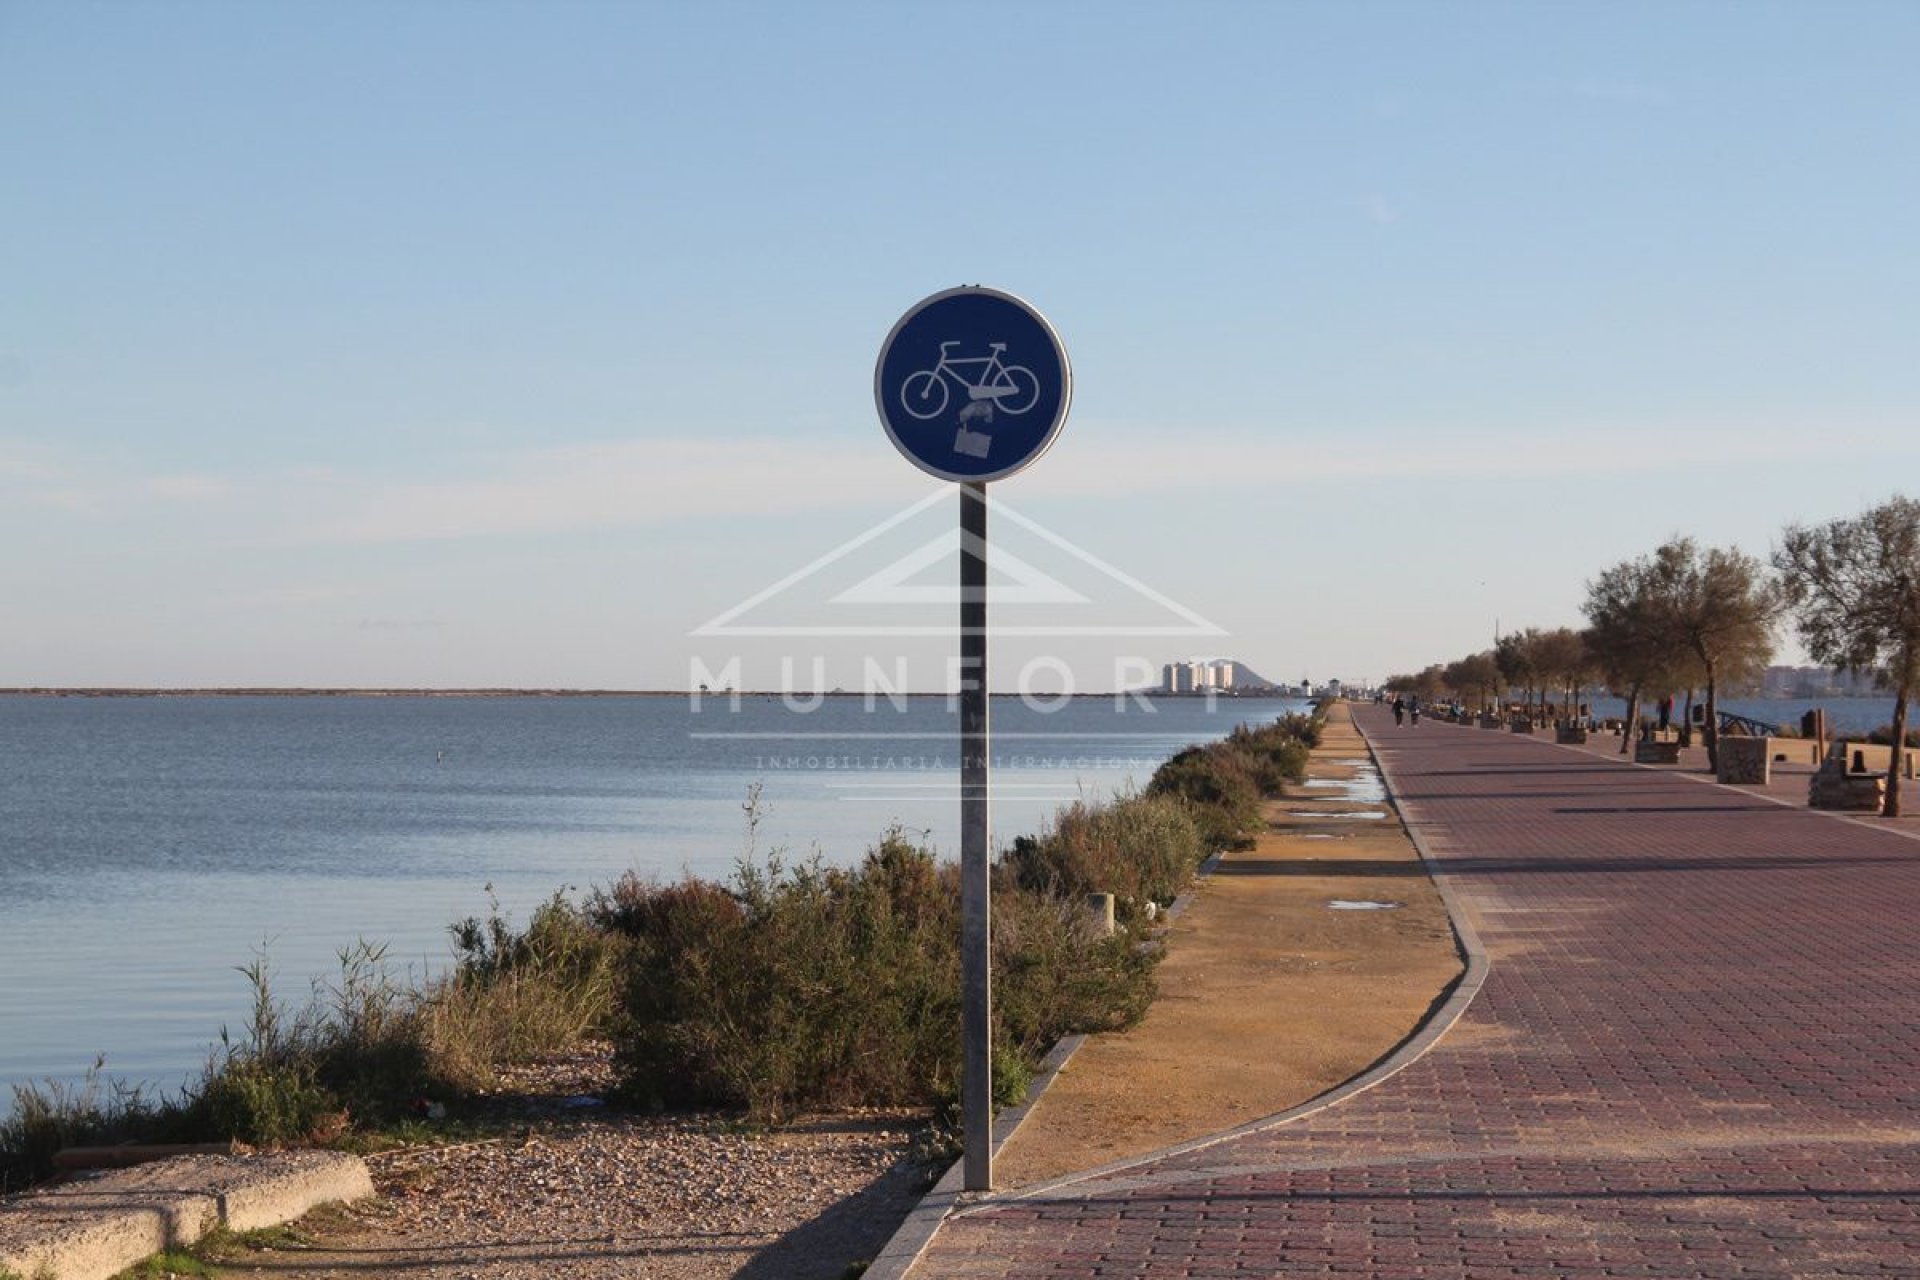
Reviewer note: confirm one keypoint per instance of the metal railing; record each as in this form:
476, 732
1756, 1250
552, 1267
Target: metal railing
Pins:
1731, 723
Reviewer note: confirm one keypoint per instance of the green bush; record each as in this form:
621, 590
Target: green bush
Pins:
1223, 782
790, 988
1883, 736
794, 988
1054, 973
268, 1103
1304, 726
1220, 793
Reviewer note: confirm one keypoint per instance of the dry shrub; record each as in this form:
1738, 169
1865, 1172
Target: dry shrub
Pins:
1143, 849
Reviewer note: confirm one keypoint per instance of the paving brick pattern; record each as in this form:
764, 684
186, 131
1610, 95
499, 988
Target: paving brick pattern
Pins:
1697, 1053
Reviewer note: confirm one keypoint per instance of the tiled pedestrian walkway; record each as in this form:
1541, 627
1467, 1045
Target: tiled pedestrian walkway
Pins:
1696, 1053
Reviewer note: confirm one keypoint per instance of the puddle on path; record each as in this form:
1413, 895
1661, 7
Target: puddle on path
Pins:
1349, 904
1364, 786
1373, 816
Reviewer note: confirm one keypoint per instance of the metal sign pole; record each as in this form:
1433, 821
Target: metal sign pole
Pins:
972, 385
975, 924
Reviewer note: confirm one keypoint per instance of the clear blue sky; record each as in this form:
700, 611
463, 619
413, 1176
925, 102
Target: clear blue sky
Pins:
453, 344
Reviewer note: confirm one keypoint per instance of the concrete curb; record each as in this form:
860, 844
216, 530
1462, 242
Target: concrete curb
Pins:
947, 1200
905, 1246
93, 1229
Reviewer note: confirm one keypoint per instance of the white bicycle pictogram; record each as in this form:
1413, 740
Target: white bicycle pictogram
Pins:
1010, 386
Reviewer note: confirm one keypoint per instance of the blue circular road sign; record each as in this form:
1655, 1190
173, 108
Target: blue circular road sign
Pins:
972, 384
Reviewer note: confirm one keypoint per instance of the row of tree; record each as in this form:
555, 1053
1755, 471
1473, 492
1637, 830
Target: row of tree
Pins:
1687, 618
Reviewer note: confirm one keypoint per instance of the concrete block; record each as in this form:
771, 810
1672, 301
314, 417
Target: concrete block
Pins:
94, 1228
1847, 792
1745, 761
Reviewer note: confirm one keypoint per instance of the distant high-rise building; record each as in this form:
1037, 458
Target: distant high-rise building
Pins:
1818, 682
1207, 675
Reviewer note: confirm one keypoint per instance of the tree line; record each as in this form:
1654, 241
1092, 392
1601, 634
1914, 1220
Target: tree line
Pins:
1685, 618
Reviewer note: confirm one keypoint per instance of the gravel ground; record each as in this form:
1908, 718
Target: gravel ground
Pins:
586, 1191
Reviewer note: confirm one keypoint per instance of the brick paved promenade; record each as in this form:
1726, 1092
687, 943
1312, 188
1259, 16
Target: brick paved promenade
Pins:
1696, 1053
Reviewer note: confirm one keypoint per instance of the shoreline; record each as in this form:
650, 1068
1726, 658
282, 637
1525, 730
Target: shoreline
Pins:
609, 773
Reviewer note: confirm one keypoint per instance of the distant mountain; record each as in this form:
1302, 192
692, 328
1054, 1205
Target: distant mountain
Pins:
1245, 677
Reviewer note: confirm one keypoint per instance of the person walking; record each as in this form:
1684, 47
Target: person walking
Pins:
1413, 710
1399, 710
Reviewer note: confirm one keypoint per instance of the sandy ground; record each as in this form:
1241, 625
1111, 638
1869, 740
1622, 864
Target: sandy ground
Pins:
1268, 997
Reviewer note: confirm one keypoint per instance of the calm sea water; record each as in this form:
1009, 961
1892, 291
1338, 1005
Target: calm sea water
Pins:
148, 846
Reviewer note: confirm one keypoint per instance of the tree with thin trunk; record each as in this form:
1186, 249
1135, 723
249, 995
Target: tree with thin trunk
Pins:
1561, 655
1855, 590
1476, 672
1630, 637
1513, 653
1721, 606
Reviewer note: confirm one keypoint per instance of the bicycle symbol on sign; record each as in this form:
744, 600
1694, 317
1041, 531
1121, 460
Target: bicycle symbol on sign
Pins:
992, 382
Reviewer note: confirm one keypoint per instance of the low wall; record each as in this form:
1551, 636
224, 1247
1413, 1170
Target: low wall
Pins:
1877, 757
1656, 751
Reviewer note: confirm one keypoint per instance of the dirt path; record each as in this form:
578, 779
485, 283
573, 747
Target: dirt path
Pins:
1267, 996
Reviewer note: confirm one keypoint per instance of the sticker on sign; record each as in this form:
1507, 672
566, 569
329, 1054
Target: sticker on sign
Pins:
972, 384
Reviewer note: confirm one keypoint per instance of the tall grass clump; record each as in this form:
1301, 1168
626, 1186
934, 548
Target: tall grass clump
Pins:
362, 1050
367, 1045
1143, 849
98, 1111
514, 995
